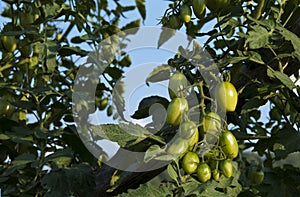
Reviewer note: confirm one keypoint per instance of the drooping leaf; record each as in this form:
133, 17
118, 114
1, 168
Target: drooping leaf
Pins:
159, 73
290, 36
140, 4
165, 35
252, 104
283, 78
146, 103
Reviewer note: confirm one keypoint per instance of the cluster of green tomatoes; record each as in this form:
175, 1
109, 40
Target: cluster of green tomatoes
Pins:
198, 7
194, 138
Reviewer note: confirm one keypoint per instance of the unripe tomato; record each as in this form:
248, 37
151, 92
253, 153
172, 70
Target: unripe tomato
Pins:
229, 145
216, 174
177, 84
103, 103
9, 43
257, 177
226, 167
194, 140
187, 129
109, 111
190, 162
211, 122
174, 22
178, 147
175, 111
203, 172
185, 13
226, 96
6, 109
218, 6
25, 48
199, 8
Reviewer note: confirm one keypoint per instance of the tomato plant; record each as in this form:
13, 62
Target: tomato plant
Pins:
203, 172
175, 111
229, 144
190, 162
226, 96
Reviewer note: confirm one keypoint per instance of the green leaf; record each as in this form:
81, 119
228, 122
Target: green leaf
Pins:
3, 136
118, 98
23, 159
114, 133
165, 35
152, 152
255, 57
257, 38
68, 51
114, 72
148, 190
146, 103
290, 36
283, 78
61, 157
159, 73
252, 104
172, 173
141, 7
134, 24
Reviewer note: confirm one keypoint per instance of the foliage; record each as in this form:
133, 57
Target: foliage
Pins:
254, 43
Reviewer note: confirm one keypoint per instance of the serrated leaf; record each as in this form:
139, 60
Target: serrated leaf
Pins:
140, 4
148, 190
146, 103
252, 104
290, 36
258, 37
165, 35
283, 78
159, 73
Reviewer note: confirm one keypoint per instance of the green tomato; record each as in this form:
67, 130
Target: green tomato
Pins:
226, 167
211, 122
177, 84
187, 129
194, 140
175, 111
257, 177
103, 103
229, 145
178, 147
203, 172
109, 111
9, 43
174, 22
226, 96
185, 13
190, 162
199, 8
220, 7
216, 175
6, 109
